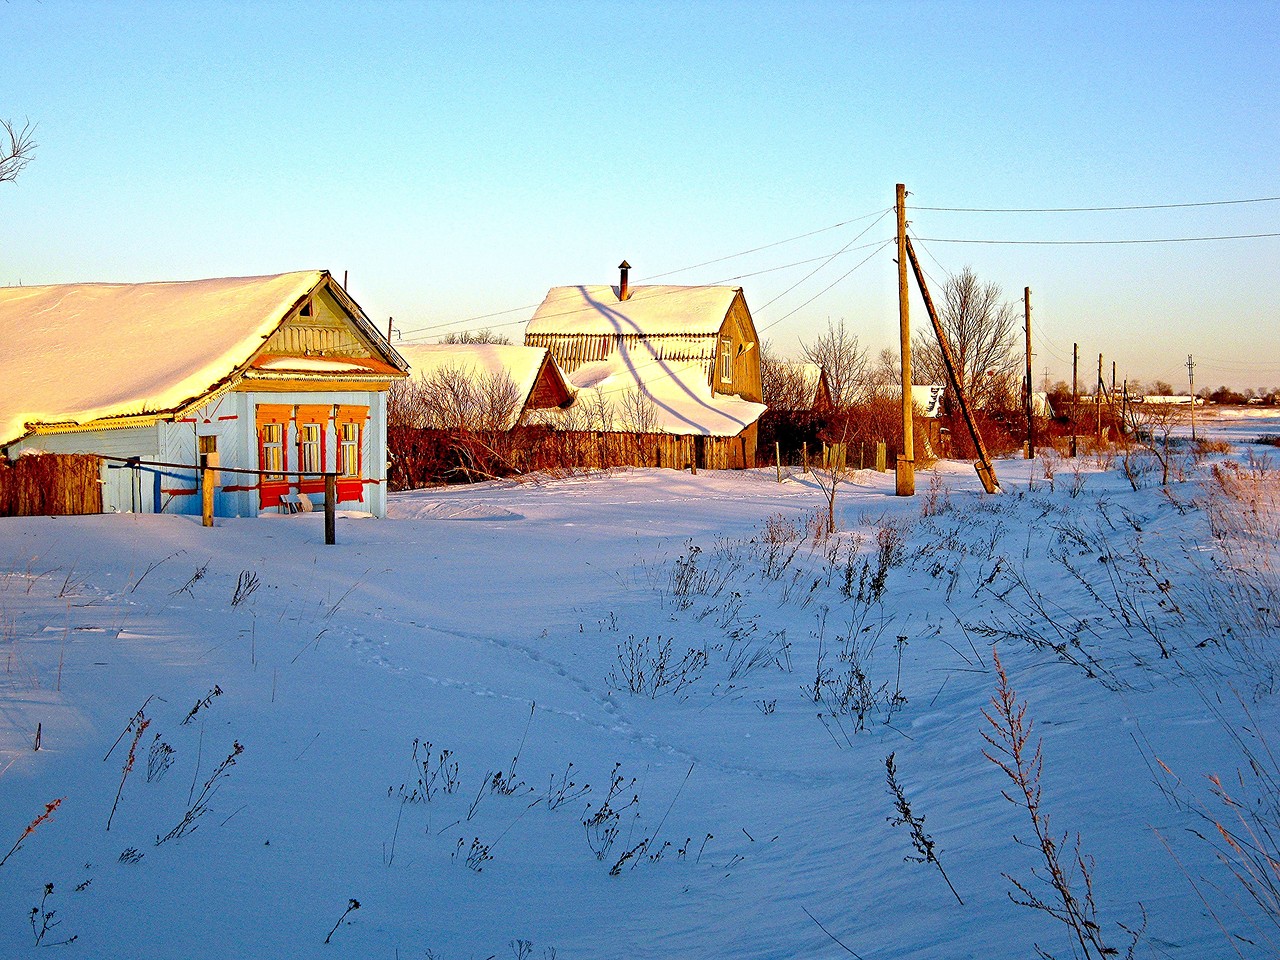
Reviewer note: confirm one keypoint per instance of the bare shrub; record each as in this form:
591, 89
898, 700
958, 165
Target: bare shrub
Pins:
648, 668
1067, 870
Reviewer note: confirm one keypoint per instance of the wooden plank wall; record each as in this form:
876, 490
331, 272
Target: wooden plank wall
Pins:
50, 484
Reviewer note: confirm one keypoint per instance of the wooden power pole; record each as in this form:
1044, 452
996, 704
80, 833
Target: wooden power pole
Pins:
1031, 403
1097, 402
1075, 392
906, 466
1191, 382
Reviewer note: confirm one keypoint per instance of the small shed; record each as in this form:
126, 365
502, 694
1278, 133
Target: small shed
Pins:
280, 373
676, 367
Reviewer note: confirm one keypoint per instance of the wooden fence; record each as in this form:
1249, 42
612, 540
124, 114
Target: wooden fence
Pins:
50, 484
420, 457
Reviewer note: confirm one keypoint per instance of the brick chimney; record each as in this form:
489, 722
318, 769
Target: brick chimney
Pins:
624, 287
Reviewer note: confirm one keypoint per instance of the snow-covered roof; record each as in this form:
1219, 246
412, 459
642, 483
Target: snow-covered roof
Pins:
649, 311
676, 397
84, 351
520, 363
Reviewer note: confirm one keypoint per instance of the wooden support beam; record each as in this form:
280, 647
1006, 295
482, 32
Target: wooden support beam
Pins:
986, 473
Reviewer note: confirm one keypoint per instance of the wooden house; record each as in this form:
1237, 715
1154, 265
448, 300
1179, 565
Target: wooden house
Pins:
278, 373
677, 368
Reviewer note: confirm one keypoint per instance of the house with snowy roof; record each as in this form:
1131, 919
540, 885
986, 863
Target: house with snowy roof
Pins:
678, 365
283, 374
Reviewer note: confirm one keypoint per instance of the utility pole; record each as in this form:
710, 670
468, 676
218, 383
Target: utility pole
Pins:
906, 466
1075, 392
1097, 402
1191, 380
1031, 403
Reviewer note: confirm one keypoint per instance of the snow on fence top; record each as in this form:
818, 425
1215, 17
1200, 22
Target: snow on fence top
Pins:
83, 351
650, 311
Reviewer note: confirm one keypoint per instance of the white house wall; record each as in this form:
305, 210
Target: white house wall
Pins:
231, 419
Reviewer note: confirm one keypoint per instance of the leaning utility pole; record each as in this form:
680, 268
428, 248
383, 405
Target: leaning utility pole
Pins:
1031, 403
1191, 380
906, 466
986, 473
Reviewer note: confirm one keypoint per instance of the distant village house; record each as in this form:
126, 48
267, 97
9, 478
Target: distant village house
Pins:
670, 373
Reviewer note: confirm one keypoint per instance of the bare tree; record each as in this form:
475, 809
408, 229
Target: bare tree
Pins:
982, 332
782, 382
884, 377
844, 359
638, 412
19, 150
476, 336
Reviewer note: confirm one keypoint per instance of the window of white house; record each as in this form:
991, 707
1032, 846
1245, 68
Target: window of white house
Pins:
349, 463
310, 459
273, 450
726, 361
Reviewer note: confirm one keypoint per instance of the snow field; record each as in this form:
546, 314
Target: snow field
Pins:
489, 620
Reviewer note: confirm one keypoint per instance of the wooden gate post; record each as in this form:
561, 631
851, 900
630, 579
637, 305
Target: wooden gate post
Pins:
208, 480
330, 508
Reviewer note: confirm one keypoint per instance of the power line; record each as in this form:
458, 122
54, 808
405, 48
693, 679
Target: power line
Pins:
828, 260
421, 331
1137, 206
770, 326
1240, 236
778, 243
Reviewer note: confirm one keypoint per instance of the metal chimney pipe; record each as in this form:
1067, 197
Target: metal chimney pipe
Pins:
624, 288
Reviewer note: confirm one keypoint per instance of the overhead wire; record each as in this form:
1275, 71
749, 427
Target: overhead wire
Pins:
1134, 206
828, 260
1051, 243
423, 337
423, 332
879, 247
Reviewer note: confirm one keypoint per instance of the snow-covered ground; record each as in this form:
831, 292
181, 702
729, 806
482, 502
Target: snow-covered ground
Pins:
502, 620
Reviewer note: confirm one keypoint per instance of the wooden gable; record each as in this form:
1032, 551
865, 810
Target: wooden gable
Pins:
739, 344
319, 325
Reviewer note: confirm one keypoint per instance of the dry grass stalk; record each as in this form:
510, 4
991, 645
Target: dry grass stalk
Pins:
49, 808
1067, 870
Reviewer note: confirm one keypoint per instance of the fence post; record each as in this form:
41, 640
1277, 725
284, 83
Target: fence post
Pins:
207, 462
777, 453
330, 508
804, 449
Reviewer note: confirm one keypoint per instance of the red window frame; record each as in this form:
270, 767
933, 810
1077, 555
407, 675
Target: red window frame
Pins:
270, 490
313, 415
351, 487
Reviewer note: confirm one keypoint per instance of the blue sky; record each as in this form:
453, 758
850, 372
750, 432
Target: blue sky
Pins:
460, 158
